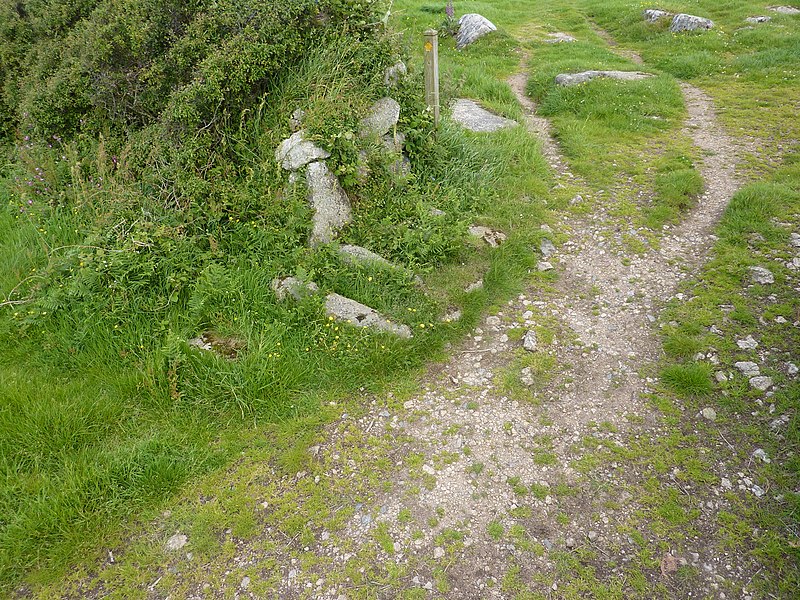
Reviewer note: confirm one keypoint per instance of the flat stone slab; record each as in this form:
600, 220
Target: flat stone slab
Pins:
471, 27
684, 22
382, 117
357, 314
567, 79
296, 152
758, 19
470, 115
357, 254
785, 10
651, 15
761, 275
559, 37
330, 203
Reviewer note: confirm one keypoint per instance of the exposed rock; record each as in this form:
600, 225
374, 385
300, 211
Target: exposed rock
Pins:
450, 316
438, 553
435, 212
547, 248
567, 79
470, 115
490, 236
761, 383
329, 201
200, 343
558, 37
709, 413
761, 455
355, 313
529, 341
392, 75
762, 275
294, 288
684, 22
296, 120
785, 10
544, 266
791, 369
478, 285
526, 376
651, 15
245, 583
354, 254
748, 343
471, 27
760, 19
794, 239
296, 152
720, 377
176, 542
748, 369
382, 117
393, 142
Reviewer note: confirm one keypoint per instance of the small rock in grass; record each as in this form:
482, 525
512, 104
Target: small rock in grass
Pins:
478, 285
570, 542
781, 320
762, 275
453, 315
245, 583
794, 239
748, 369
785, 10
471, 27
383, 115
547, 248
296, 152
759, 19
761, 455
592, 535
357, 254
568, 79
529, 341
747, 343
544, 266
359, 315
791, 369
709, 413
392, 75
492, 237
559, 37
438, 553
470, 115
177, 541
651, 15
526, 376
429, 470
294, 287
720, 377
684, 22
761, 383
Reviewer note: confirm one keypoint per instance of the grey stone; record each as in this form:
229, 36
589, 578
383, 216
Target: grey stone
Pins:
559, 37
296, 152
651, 15
354, 254
709, 414
176, 542
529, 341
393, 142
478, 285
294, 288
200, 343
296, 120
382, 117
761, 275
438, 553
592, 535
794, 239
329, 201
435, 212
526, 376
490, 236
245, 583
567, 79
450, 316
791, 369
684, 22
471, 116
544, 266
785, 10
748, 343
471, 27
759, 19
720, 377
748, 369
761, 383
394, 74
547, 248
761, 455
570, 542
359, 315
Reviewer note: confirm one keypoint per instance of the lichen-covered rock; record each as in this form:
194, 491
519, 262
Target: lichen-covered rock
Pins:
490, 236
351, 253
651, 15
567, 79
785, 10
296, 152
294, 288
470, 115
394, 74
559, 37
357, 314
759, 19
330, 203
471, 27
684, 22
382, 117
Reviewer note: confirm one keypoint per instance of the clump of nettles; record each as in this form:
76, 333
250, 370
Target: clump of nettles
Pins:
450, 24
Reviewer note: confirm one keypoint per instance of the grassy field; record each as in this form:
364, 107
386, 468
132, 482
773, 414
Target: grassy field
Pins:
108, 418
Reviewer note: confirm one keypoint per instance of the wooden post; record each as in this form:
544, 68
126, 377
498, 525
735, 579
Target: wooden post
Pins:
432, 72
